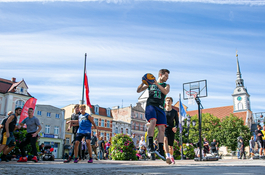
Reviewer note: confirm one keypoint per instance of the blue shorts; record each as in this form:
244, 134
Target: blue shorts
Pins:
154, 112
79, 136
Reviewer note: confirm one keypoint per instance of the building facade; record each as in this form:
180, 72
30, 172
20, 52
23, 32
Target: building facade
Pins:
12, 95
121, 120
138, 121
52, 133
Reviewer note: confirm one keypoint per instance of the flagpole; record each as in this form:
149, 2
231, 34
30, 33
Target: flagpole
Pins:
84, 81
180, 128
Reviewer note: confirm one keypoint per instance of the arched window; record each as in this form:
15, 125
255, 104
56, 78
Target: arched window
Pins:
20, 103
240, 106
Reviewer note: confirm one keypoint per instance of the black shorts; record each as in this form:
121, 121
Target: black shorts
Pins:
170, 135
260, 143
79, 136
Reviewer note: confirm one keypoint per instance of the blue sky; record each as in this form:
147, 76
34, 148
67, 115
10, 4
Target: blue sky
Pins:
44, 42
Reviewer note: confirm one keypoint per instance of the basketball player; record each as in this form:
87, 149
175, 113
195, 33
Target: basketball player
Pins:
154, 111
84, 122
171, 129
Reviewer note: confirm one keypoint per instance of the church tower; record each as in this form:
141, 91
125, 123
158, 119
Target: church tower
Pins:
240, 95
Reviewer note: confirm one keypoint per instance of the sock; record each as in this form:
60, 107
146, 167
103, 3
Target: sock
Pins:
168, 155
150, 139
160, 146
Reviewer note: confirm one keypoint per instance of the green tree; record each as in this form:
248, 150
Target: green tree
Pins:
231, 128
210, 128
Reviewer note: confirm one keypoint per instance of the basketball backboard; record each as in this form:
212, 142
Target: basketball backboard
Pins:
198, 88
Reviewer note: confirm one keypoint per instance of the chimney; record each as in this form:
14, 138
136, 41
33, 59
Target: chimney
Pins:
13, 79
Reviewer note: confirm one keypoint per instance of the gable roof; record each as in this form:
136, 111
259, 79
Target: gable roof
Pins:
9, 86
102, 111
221, 112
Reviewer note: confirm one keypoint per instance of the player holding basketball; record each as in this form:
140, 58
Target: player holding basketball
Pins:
154, 111
171, 129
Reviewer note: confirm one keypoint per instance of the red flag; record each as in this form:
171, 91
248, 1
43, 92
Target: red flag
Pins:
87, 91
30, 103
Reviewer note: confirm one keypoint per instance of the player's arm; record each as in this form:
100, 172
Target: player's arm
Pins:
165, 90
141, 87
176, 122
36, 133
92, 121
7, 125
73, 122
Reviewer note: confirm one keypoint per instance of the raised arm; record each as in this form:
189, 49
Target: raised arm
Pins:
141, 87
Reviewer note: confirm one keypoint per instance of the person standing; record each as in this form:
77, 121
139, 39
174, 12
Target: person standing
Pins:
101, 145
214, 146
33, 128
142, 142
74, 116
259, 136
205, 147
263, 139
242, 149
134, 140
154, 111
94, 145
171, 129
85, 123
251, 146
8, 139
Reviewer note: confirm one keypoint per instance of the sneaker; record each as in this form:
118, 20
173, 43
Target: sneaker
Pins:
159, 155
68, 160
150, 150
76, 160
90, 160
23, 159
95, 158
168, 160
172, 160
35, 159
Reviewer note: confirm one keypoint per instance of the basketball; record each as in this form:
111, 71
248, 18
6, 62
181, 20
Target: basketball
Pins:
148, 79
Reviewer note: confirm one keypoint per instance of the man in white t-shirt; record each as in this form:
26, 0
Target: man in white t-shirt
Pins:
142, 142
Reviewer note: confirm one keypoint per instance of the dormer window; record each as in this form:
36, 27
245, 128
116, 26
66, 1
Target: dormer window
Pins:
21, 90
96, 109
108, 112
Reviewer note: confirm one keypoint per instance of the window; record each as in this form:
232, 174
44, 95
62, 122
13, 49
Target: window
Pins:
136, 115
108, 112
20, 103
107, 136
116, 130
96, 121
96, 109
139, 127
47, 129
57, 115
134, 126
240, 106
102, 135
102, 123
48, 114
122, 130
67, 141
108, 124
141, 115
56, 130
22, 90
126, 131
39, 113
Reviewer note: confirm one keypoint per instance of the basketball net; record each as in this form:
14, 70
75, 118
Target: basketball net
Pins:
191, 97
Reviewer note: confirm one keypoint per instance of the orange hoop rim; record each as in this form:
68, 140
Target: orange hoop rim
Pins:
191, 94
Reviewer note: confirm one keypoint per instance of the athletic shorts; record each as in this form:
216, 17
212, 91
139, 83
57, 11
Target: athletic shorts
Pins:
154, 112
260, 143
10, 141
79, 136
170, 136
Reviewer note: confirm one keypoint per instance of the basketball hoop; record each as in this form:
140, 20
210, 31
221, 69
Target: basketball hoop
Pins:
191, 97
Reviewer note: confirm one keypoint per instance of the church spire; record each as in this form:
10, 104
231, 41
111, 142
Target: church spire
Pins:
238, 67
239, 80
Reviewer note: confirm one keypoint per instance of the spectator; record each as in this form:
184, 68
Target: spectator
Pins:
101, 145
84, 148
214, 147
94, 145
242, 149
205, 147
107, 145
134, 140
251, 147
259, 136
142, 142
41, 148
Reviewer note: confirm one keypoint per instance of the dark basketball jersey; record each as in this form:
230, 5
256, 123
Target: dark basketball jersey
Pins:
172, 117
12, 124
156, 97
75, 116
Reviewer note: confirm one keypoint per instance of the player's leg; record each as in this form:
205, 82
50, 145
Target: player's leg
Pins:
88, 144
150, 114
22, 149
171, 138
167, 150
33, 141
79, 137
